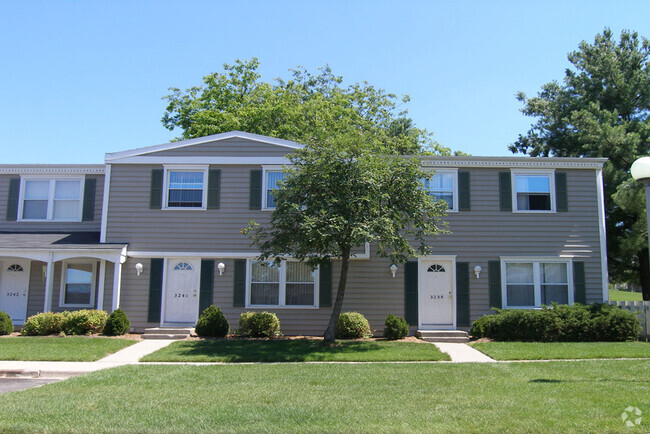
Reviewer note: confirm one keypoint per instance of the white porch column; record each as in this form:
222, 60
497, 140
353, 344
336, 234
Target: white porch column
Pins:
117, 285
100, 285
49, 284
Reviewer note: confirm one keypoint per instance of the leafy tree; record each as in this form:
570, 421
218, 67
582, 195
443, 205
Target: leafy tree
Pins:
345, 193
307, 108
601, 109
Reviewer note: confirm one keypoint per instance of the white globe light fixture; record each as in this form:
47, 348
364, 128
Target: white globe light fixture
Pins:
641, 172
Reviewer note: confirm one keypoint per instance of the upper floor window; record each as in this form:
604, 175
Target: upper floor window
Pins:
51, 199
533, 191
271, 179
443, 185
185, 188
530, 283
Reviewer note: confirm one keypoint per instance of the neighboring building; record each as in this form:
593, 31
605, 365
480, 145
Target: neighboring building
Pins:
157, 232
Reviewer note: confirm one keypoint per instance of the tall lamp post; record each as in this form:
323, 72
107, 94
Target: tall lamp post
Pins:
641, 172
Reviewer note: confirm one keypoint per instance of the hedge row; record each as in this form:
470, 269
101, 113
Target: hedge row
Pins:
559, 323
78, 322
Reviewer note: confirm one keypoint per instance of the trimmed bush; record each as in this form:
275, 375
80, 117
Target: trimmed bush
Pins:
212, 323
559, 323
6, 325
84, 322
117, 323
43, 324
259, 324
352, 325
395, 327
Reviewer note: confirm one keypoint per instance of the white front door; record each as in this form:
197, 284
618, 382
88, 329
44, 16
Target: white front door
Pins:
182, 291
14, 286
436, 294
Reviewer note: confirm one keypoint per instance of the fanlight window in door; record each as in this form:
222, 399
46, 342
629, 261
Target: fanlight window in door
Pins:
181, 266
436, 268
15, 267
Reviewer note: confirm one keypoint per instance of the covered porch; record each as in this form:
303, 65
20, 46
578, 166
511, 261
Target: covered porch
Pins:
45, 272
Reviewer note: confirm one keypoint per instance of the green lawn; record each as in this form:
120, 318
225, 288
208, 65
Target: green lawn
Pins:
299, 350
615, 295
563, 350
529, 397
69, 349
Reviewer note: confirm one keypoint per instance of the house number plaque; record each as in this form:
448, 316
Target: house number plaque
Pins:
437, 297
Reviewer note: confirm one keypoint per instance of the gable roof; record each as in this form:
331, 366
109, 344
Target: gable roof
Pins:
199, 140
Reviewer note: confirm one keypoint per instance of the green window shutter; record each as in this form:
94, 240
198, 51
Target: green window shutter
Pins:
561, 195
155, 289
214, 188
207, 284
505, 191
464, 197
239, 292
12, 199
411, 292
255, 198
155, 201
325, 285
579, 286
494, 277
88, 213
462, 294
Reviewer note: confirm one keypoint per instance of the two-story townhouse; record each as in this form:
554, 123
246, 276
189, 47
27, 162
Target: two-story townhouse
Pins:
50, 255
524, 232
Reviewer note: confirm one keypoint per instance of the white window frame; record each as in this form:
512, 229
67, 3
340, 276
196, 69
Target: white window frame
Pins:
168, 168
265, 171
93, 282
453, 207
551, 185
282, 289
50, 197
537, 283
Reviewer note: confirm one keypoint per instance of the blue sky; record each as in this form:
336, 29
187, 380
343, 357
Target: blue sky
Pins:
80, 78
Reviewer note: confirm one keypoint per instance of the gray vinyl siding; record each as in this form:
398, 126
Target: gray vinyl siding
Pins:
36, 293
226, 148
485, 233
50, 226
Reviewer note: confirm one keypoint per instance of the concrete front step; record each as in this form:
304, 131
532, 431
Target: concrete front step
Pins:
167, 333
451, 336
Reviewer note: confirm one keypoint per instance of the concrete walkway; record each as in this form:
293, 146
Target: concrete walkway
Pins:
127, 356
463, 353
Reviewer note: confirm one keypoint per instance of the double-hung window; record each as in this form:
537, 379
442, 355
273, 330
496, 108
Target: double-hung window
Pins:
270, 184
289, 284
533, 191
78, 284
533, 283
51, 199
443, 185
185, 187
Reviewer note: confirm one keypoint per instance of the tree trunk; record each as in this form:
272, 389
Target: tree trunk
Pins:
330, 333
644, 273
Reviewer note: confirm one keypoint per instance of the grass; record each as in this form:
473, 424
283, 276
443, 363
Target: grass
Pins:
69, 349
563, 350
615, 295
521, 397
297, 350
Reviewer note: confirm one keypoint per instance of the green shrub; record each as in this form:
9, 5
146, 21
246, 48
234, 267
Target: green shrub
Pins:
259, 324
6, 325
43, 324
212, 323
117, 323
83, 322
395, 327
559, 323
352, 325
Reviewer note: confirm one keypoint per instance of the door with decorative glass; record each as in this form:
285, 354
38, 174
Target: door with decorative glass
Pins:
182, 291
14, 286
436, 294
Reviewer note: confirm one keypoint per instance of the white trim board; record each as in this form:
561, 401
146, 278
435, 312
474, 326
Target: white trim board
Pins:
220, 161
201, 140
602, 234
514, 162
54, 169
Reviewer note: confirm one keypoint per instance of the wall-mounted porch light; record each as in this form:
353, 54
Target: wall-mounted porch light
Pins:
393, 269
221, 267
138, 268
477, 271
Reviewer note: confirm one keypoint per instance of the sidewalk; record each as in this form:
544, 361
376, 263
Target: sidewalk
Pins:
463, 353
127, 356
